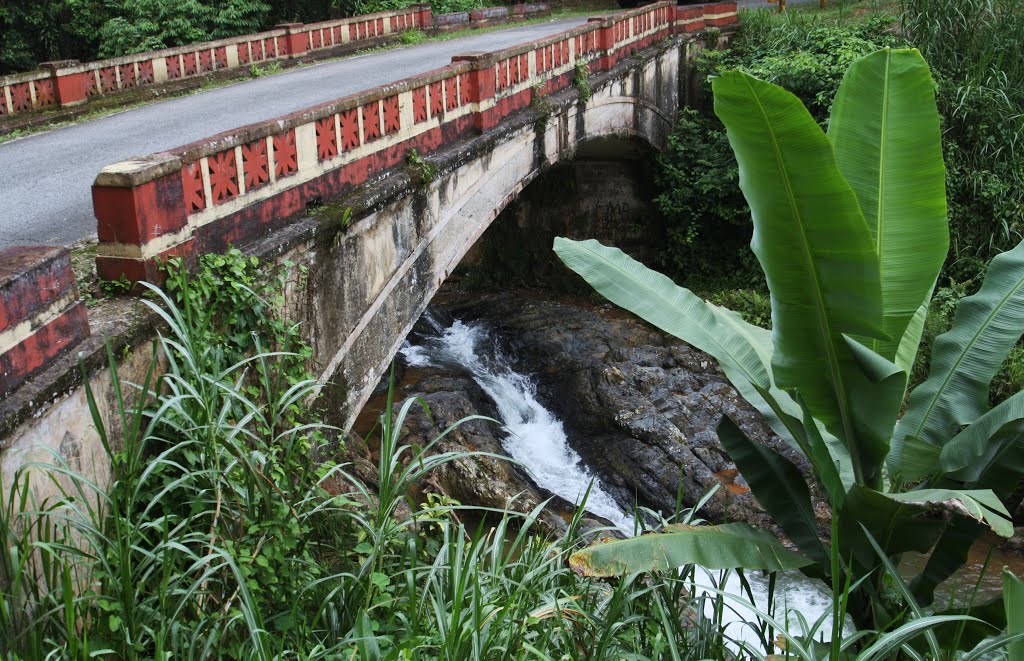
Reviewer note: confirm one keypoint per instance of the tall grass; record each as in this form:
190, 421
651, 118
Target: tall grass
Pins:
218, 536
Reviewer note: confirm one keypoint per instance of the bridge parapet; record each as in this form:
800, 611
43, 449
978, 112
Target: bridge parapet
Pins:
41, 316
69, 83
239, 185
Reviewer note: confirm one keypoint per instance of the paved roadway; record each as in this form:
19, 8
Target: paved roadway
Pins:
45, 191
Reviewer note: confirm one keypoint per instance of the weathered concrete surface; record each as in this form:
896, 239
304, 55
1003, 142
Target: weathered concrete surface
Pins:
368, 286
61, 430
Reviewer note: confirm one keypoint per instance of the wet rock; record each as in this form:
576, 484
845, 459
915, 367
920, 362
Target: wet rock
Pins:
641, 407
486, 479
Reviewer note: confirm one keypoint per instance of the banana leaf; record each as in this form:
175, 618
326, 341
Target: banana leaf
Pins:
779, 487
814, 246
728, 546
964, 360
885, 130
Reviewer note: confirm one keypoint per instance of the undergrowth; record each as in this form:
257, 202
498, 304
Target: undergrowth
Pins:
229, 527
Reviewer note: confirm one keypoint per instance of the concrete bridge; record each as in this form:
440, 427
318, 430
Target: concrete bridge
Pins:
404, 178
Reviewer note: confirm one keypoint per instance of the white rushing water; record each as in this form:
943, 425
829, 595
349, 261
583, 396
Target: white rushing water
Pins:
535, 437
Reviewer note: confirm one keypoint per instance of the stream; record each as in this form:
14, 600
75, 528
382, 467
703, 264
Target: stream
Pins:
535, 437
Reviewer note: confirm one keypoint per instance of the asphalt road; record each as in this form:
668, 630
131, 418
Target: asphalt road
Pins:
45, 193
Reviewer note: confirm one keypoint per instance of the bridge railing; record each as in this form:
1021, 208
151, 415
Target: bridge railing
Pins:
238, 185
68, 82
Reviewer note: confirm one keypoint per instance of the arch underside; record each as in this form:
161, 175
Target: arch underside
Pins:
418, 244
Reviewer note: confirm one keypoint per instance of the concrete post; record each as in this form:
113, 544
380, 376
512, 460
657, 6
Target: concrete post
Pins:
295, 39
424, 18
69, 83
481, 85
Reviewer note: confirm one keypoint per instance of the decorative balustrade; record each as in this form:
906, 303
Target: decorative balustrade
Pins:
69, 83
238, 185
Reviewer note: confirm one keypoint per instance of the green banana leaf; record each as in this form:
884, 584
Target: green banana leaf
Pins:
947, 556
779, 486
836, 475
728, 546
964, 360
984, 440
981, 505
1003, 469
885, 130
914, 521
876, 395
813, 244
910, 343
896, 527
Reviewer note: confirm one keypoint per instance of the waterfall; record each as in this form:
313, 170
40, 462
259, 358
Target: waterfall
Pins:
533, 435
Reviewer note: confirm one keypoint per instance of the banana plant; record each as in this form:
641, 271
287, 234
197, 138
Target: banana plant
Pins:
850, 229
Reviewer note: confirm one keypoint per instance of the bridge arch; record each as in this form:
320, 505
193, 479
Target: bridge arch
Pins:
369, 284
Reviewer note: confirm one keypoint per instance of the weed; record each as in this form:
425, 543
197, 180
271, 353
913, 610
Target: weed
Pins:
581, 80
423, 170
119, 287
269, 69
541, 104
412, 37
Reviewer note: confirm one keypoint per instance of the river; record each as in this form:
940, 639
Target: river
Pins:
536, 438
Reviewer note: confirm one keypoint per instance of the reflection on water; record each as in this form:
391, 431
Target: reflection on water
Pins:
983, 572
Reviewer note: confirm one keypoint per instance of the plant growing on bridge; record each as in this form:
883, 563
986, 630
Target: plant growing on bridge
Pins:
581, 80
850, 229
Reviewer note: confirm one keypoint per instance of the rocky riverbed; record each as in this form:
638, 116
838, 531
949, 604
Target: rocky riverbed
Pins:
640, 407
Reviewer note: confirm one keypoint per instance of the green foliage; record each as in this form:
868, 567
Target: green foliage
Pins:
581, 80
707, 220
412, 37
142, 25
753, 305
425, 171
804, 52
33, 32
268, 69
850, 229
229, 301
975, 49
541, 104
